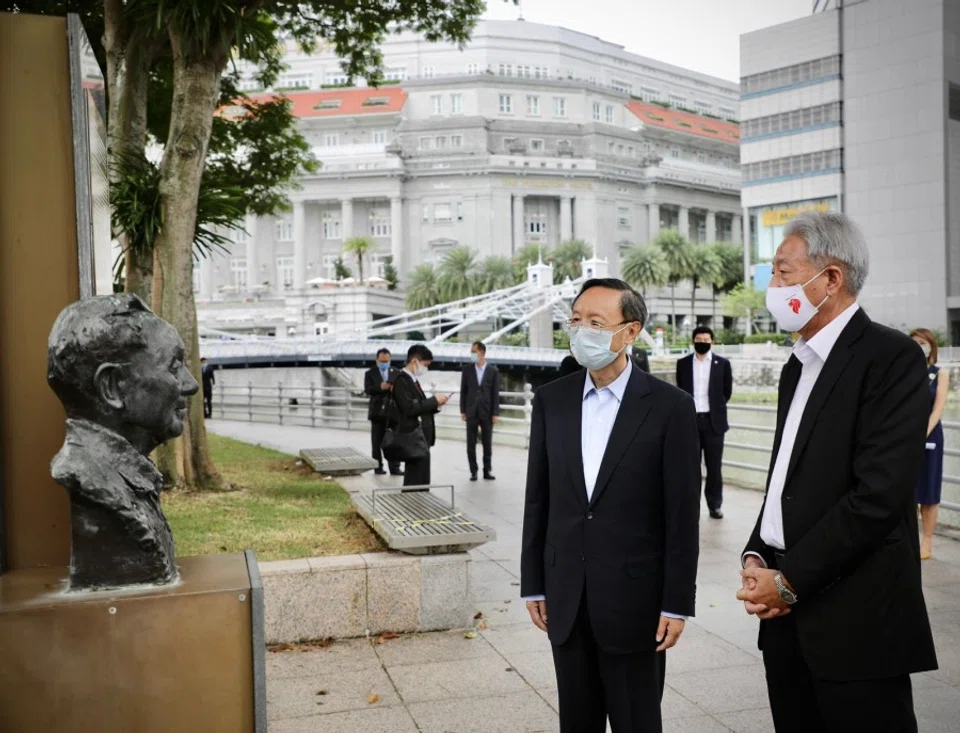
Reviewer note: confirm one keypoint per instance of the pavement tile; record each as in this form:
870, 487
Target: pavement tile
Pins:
346, 655
726, 690
698, 650
489, 581
441, 646
500, 614
536, 668
515, 639
748, 721
466, 678
519, 712
394, 719
298, 697
697, 724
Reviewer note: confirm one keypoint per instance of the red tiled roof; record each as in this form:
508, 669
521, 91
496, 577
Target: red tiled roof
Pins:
686, 122
338, 102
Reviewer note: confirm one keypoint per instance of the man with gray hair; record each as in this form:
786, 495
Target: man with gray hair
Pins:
832, 568
119, 371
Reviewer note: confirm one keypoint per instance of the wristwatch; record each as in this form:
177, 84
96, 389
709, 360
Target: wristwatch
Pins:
786, 595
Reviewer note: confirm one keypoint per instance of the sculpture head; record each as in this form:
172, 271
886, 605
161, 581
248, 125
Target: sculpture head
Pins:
112, 361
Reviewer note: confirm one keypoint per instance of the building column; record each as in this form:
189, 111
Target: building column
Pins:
346, 219
566, 218
736, 230
253, 275
396, 232
683, 221
653, 220
711, 227
518, 238
299, 244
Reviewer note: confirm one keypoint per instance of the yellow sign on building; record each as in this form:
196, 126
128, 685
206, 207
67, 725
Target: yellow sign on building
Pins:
779, 217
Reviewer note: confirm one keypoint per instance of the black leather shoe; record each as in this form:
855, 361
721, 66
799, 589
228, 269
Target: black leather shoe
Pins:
473, 475
487, 476
716, 514
379, 472
396, 473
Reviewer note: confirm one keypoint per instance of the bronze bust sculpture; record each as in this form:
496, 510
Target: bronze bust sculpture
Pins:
119, 371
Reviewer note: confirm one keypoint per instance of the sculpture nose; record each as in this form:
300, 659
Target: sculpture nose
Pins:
188, 384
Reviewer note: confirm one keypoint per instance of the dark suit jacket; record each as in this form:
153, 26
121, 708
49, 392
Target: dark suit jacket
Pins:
371, 387
849, 519
414, 407
719, 391
634, 547
480, 401
207, 377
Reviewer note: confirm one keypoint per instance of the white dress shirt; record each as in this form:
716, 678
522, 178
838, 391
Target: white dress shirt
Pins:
701, 382
480, 371
600, 409
812, 355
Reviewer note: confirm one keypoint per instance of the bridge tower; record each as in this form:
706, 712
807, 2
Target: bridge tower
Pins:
539, 278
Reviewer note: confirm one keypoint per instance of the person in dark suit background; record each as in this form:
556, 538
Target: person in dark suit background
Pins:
568, 366
377, 384
611, 520
415, 408
709, 379
208, 379
480, 407
640, 359
832, 567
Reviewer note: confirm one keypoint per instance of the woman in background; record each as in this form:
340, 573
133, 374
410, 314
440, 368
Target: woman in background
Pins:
931, 478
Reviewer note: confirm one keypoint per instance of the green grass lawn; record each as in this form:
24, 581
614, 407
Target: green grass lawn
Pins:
280, 510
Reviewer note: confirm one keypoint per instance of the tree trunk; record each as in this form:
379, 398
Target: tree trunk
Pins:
196, 90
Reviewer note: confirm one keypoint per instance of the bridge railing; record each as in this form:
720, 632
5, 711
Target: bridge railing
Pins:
746, 453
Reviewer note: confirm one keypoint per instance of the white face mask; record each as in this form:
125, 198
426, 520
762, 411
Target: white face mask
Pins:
420, 370
591, 348
790, 306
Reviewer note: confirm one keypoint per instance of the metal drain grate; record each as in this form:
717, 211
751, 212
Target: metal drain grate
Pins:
338, 461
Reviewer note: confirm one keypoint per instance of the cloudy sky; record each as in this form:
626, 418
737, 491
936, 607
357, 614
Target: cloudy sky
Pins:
703, 35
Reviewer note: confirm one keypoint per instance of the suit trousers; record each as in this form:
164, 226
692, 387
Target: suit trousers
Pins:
208, 400
711, 443
801, 703
485, 428
593, 684
417, 473
378, 429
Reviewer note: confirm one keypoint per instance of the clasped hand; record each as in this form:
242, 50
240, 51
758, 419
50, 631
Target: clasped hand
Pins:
759, 591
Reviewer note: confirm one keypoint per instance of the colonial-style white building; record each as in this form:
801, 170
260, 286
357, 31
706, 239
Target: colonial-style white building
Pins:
532, 134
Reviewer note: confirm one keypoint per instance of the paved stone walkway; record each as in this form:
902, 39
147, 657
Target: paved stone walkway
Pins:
503, 681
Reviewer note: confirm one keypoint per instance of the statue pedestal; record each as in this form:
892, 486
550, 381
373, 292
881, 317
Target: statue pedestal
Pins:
178, 659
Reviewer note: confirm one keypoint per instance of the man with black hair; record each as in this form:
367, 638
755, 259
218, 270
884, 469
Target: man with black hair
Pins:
377, 384
611, 519
709, 379
416, 409
480, 407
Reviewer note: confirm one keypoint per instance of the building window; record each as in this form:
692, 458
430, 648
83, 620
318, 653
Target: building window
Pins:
331, 226
240, 236
674, 152
506, 69
441, 142
294, 81
331, 140
536, 226
596, 111
238, 272
524, 72
459, 211
701, 157
797, 119
284, 229
335, 79
285, 272
621, 86
378, 261
624, 220
426, 143
703, 108
619, 149
473, 69
611, 147
533, 105
631, 152
823, 68
442, 213
436, 104
796, 165
506, 104
456, 141
379, 224
649, 95
427, 72
678, 101
330, 266
536, 146
379, 137
540, 72
425, 216
509, 142
397, 73
456, 104
560, 106
727, 113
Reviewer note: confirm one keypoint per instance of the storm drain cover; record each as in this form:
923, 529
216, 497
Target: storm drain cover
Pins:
337, 461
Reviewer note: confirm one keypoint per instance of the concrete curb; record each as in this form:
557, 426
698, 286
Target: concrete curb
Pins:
354, 595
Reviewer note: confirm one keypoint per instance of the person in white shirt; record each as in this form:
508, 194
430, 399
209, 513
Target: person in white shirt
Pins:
832, 567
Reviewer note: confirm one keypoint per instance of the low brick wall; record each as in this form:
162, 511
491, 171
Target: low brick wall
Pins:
354, 595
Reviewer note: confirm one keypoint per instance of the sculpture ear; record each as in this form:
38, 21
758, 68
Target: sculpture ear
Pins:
106, 382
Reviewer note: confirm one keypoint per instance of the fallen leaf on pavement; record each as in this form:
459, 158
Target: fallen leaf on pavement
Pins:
387, 636
322, 692
373, 698
470, 635
478, 614
482, 626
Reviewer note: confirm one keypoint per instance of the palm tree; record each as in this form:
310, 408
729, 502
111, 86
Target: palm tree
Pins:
358, 247
495, 273
422, 290
676, 250
456, 276
645, 267
390, 273
731, 259
705, 267
567, 259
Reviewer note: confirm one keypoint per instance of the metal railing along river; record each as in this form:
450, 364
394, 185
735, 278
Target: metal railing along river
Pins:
746, 453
